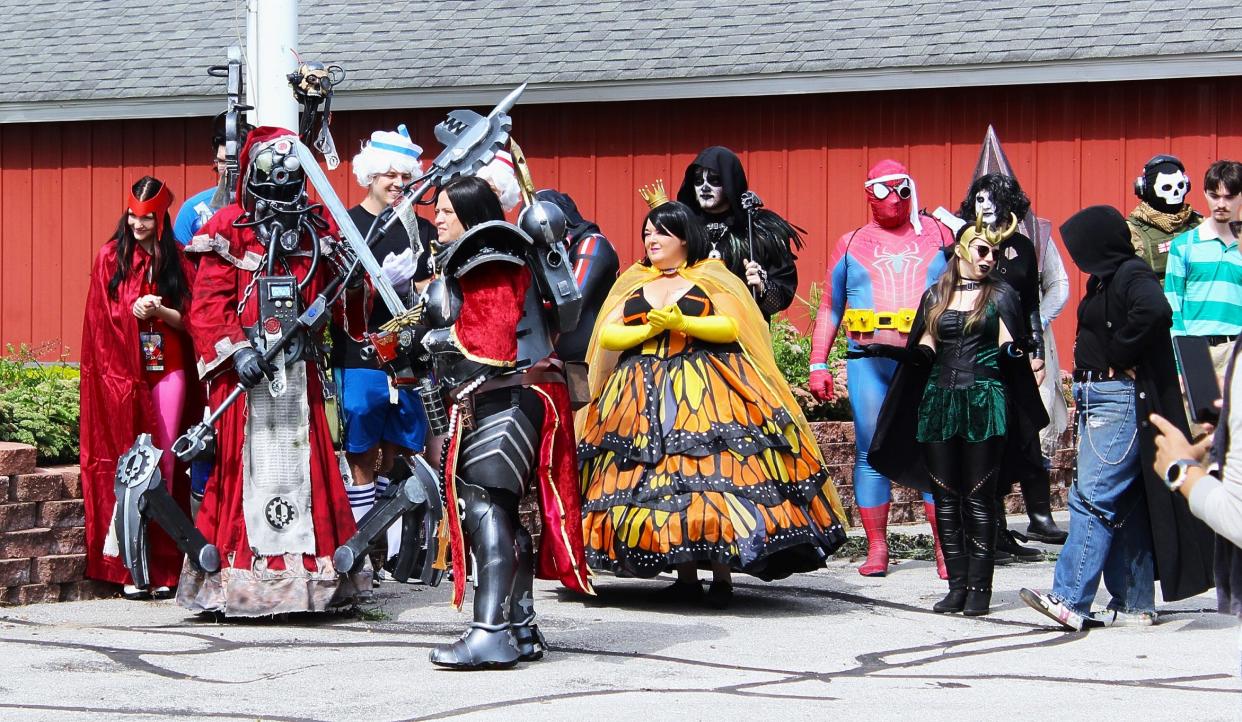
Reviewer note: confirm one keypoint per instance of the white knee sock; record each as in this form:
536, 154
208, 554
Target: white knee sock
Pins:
361, 499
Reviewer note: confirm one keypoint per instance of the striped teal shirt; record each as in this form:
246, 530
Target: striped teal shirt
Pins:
1203, 283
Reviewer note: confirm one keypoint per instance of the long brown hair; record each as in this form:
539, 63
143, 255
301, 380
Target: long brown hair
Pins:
942, 296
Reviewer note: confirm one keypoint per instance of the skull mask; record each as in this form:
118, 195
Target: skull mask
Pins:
1164, 184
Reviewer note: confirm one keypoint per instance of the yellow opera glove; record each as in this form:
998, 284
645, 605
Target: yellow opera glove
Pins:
713, 329
619, 337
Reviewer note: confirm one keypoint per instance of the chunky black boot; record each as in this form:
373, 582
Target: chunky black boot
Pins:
978, 601
488, 643
1007, 548
1038, 497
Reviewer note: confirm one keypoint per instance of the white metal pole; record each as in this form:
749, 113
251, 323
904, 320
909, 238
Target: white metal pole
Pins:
271, 36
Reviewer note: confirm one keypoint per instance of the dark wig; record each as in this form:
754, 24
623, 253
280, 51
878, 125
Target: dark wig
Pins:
677, 220
170, 278
1006, 194
473, 201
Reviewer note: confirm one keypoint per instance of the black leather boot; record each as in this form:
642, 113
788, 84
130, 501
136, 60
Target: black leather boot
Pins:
526, 634
981, 543
488, 643
952, 541
1007, 549
1037, 494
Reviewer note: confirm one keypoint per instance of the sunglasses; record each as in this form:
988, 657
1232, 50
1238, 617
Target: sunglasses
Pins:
881, 191
983, 252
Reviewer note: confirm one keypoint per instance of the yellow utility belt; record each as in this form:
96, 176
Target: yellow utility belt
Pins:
864, 320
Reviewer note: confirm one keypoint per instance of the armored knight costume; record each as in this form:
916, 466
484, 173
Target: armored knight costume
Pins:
508, 429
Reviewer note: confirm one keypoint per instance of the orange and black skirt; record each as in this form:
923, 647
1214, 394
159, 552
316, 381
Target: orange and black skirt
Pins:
687, 459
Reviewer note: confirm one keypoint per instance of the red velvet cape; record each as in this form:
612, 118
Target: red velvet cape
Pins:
486, 330
116, 407
216, 328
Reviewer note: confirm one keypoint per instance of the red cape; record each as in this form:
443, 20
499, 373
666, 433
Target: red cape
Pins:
116, 407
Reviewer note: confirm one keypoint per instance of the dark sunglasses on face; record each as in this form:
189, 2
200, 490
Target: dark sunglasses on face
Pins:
983, 252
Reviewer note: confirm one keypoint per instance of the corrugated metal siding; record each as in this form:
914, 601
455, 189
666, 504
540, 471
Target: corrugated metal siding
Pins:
62, 187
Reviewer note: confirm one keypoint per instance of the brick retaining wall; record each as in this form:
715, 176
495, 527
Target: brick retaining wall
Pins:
836, 441
42, 532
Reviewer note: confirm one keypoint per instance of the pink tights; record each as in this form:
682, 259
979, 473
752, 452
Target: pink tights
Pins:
168, 398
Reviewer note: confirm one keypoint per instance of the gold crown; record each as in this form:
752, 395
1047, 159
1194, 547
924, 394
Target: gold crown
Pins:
654, 194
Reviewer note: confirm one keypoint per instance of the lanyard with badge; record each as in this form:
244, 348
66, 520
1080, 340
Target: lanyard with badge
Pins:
151, 341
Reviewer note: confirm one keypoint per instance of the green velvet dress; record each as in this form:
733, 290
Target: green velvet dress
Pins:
955, 405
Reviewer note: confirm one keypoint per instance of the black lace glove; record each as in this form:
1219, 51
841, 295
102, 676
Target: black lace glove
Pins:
251, 367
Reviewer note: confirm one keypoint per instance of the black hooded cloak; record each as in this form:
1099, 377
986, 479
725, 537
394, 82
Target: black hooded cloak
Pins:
774, 237
1124, 292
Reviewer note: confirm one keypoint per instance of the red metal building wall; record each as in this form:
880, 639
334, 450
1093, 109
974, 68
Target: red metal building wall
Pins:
62, 186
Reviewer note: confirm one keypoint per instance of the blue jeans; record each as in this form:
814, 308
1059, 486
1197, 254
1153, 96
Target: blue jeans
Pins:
1109, 531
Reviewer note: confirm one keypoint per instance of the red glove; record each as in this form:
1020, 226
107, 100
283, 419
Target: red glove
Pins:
822, 386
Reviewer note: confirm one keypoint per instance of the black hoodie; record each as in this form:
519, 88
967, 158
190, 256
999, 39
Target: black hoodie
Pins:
1123, 323
1122, 290
774, 237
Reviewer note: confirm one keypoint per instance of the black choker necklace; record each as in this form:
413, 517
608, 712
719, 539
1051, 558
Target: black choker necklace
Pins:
969, 285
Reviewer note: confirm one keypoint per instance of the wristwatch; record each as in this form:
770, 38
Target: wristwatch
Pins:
1175, 475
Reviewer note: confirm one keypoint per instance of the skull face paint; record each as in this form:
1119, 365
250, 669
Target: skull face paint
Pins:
709, 191
985, 207
1171, 187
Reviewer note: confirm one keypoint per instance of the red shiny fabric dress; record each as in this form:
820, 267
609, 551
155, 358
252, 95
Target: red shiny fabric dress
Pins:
116, 406
249, 584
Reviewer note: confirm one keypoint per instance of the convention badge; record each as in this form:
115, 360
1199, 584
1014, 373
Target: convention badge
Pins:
392, 392
152, 344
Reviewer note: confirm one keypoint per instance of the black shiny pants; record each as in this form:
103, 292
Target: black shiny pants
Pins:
964, 479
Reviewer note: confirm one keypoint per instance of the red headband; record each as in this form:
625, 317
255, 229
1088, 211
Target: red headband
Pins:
157, 204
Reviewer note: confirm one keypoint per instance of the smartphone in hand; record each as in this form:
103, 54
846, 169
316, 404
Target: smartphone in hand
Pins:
1194, 361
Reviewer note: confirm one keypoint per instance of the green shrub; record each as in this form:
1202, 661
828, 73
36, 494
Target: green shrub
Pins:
39, 404
792, 350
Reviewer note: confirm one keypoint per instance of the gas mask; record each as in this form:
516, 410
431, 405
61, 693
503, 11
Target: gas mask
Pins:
709, 191
275, 197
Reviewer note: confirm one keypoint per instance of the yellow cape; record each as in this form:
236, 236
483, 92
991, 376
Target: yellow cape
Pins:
729, 297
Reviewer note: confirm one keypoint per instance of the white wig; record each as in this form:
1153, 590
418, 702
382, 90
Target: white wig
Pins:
386, 151
501, 175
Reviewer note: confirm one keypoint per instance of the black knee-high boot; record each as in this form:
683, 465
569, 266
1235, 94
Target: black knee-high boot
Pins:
526, 633
980, 466
952, 544
489, 640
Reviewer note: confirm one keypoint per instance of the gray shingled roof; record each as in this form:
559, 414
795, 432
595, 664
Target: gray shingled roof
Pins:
158, 50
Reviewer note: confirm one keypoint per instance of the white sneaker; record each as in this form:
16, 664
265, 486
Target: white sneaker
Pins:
1116, 618
1055, 609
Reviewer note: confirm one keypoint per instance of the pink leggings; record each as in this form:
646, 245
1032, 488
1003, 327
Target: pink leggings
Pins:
168, 398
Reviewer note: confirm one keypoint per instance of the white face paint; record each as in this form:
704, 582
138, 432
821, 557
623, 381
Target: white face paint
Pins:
985, 208
709, 190
1171, 187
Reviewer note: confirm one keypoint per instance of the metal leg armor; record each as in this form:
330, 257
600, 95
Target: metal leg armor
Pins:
526, 634
488, 643
415, 500
141, 496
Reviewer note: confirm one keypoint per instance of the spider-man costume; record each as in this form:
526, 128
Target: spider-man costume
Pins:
875, 279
